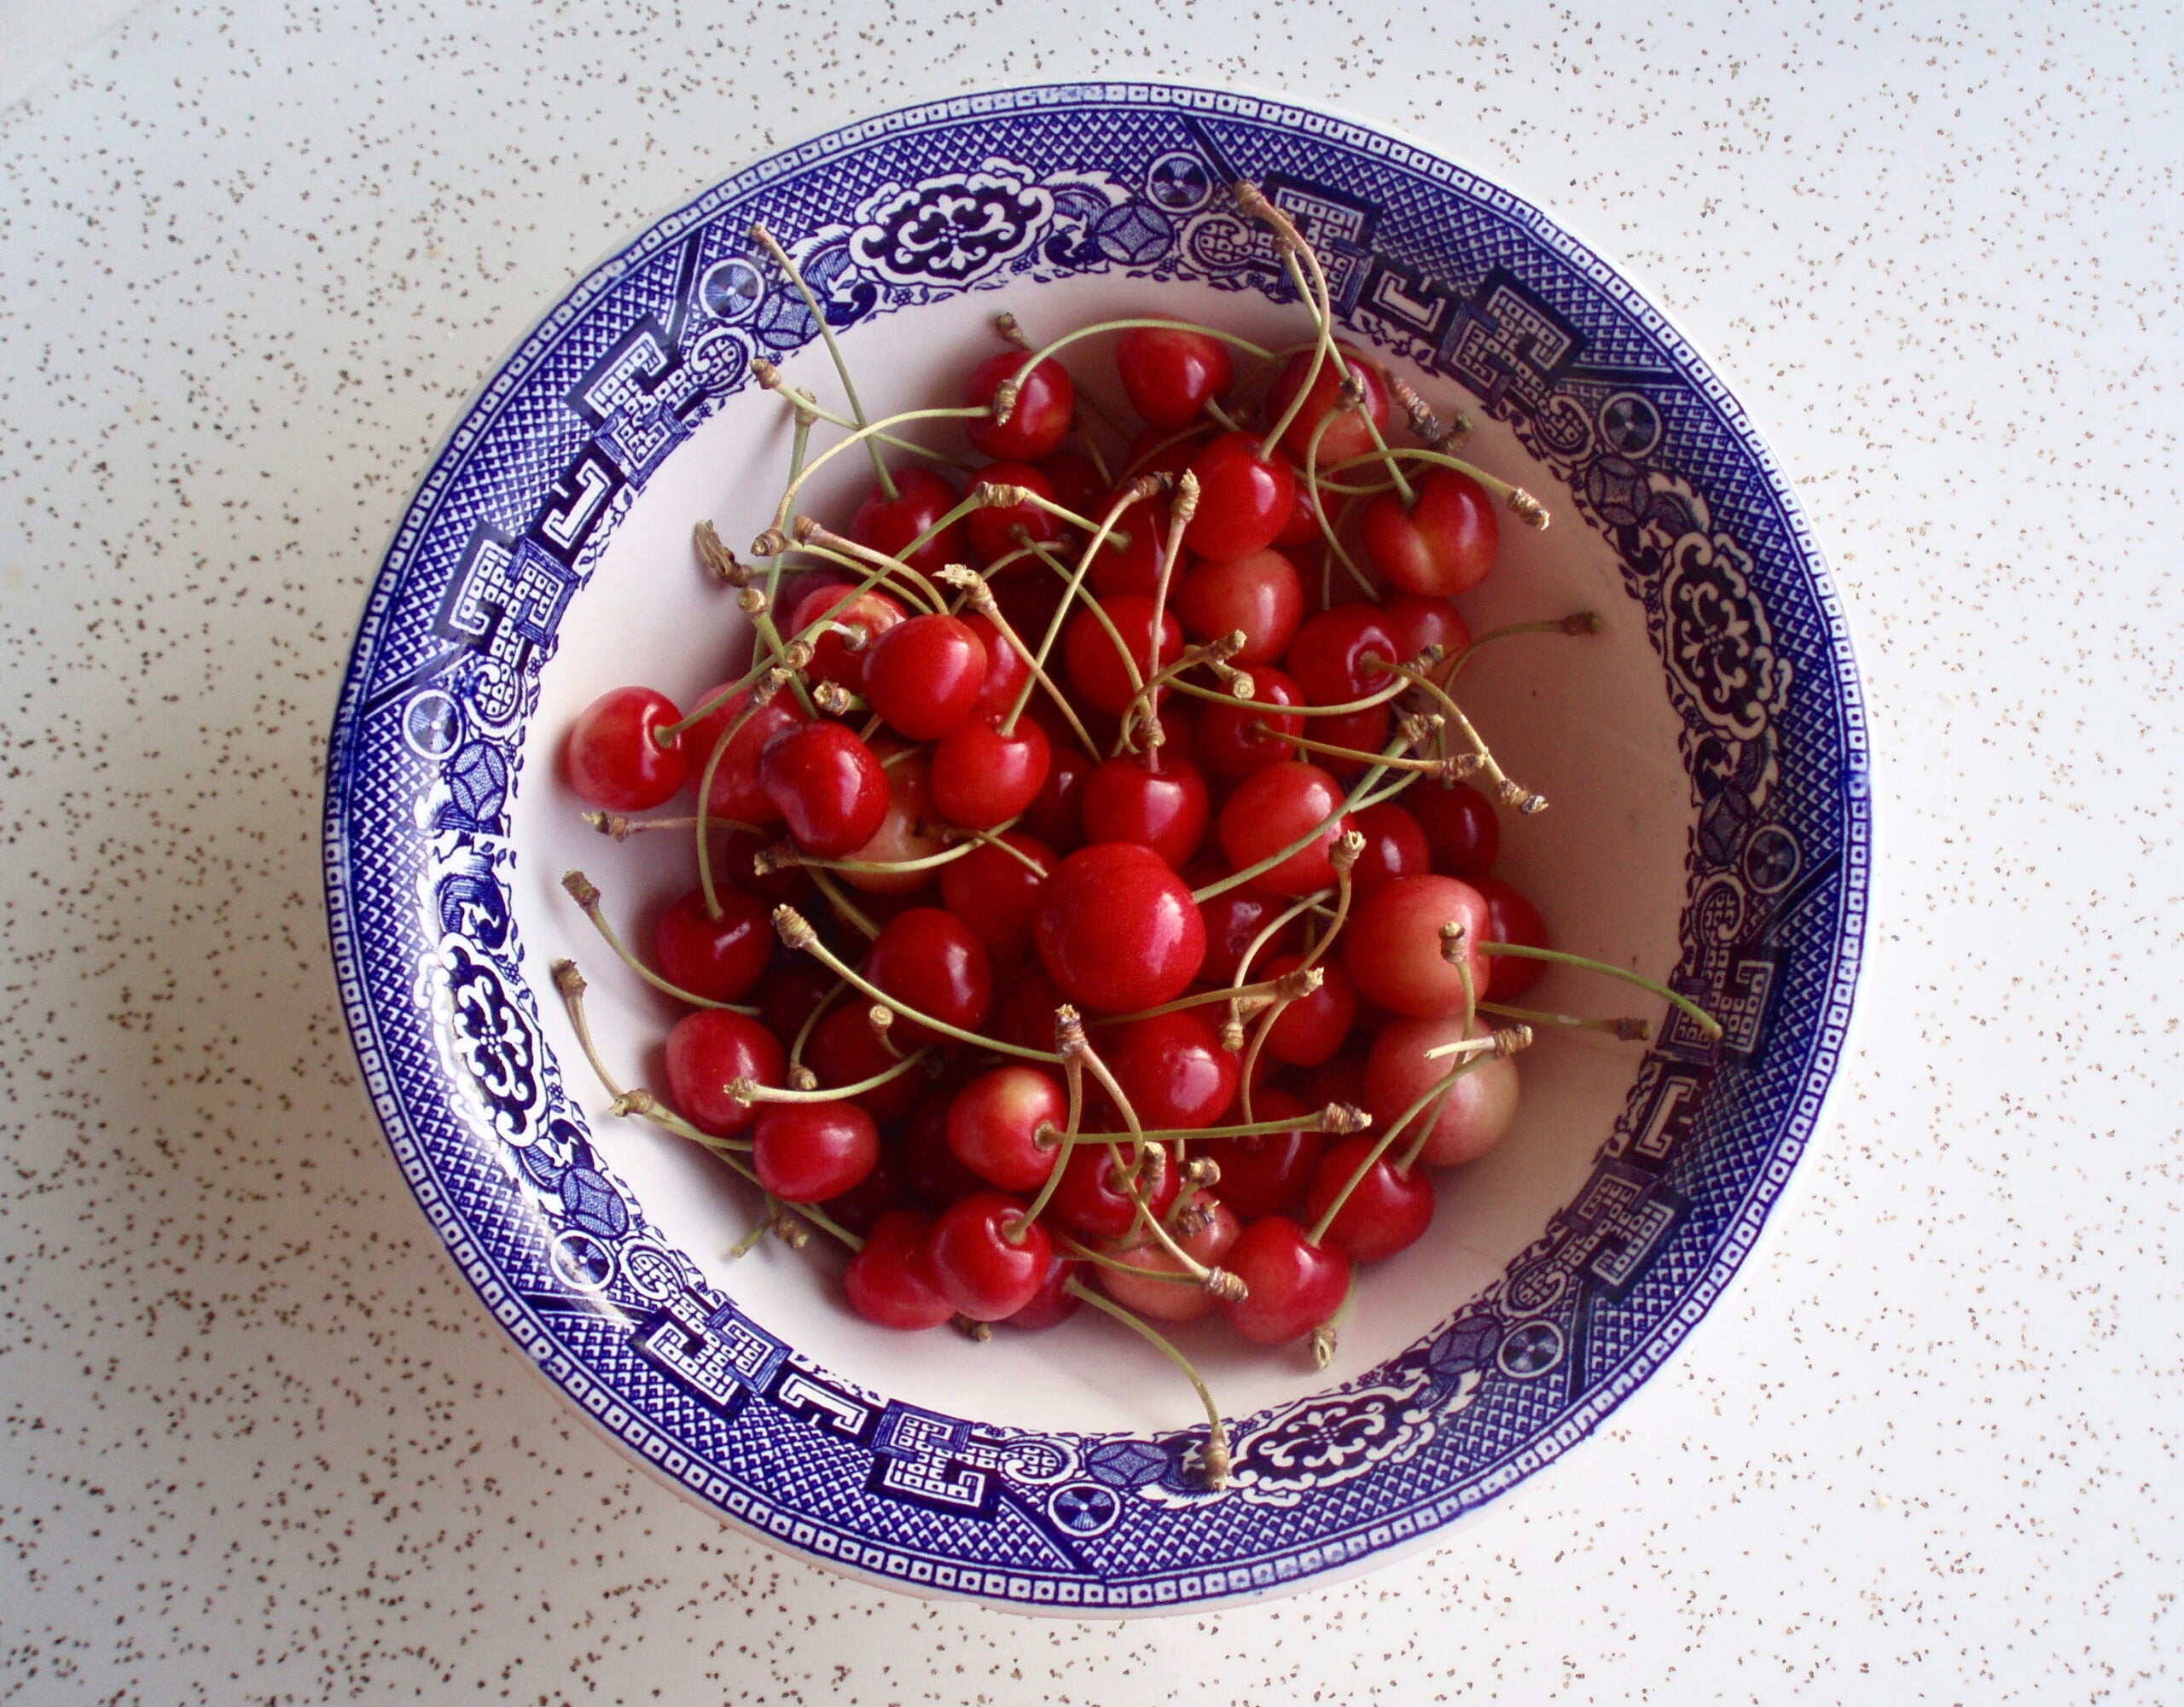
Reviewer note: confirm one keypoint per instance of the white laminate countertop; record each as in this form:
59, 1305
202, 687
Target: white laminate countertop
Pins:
257, 1443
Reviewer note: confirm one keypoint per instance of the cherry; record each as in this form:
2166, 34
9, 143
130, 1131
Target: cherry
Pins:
1078, 483
1302, 528
1510, 917
1160, 1287
996, 893
1227, 737
843, 1049
790, 993
1329, 657
1172, 1068
1006, 668
1293, 1285
1056, 814
1132, 565
1116, 930
1053, 1303
1260, 594
612, 758
832, 660
707, 1050
872, 1196
1244, 499
1313, 1027
1128, 800
1395, 846
1442, 544
789, 883
1093, 1197
993, 529
892, 1281
1233, 919
1385, 1212
932, 1171
808, 1151
983, 776
1462, 831
1481, 1106
1340, 1080
925, 676
1364, 733
1157, 451
1418, 623
1392, 949
1348, 435
1045, 408
1267, 1174
985, 1275
827, 786
889, 525
1169, 375
1271, 808
930, 961
721, 959
1023, 1012
906, 834
1096, 667
994, 1124
735, 793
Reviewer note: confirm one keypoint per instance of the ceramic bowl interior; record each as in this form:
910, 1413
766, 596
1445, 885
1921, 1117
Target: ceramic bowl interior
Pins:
1704, 754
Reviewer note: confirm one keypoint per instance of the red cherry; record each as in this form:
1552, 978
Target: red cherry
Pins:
1078, 483
1053, 1303
1267, 1174
1462, 831
1443, 543
1302, 528
1362, 732
1418, 623
1126, 800
1260, 594
1393, 949
1329, 657
791, 993
1395, 846
1117, 930
1313, 1027
1023, 1014
721, 959
993, 529
612, 758
1232, 745
1096, 666
1244, 500
872, 1196
1093, 1196
1480, 1108
832, 660
828, 785
1046, 407
925, 676
931, 1173
929, 959
892, 1281
790, 883
1170, 375
1234, 920
735, 793
1510, 917
982, 776
1006, 669
906, 834
1347, 435
843, 1048
1172, 1068
705, 1052
983, 1273
995, 1122
1385, 1212
1292, 1286
996, 893
1271, 808
808, 1151
1132, 564
889, 525
1056, 816
1151, 1282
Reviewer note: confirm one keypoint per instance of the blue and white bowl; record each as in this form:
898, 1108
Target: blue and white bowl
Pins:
1706, 757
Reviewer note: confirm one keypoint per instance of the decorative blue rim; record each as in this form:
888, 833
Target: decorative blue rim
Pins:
1427, 259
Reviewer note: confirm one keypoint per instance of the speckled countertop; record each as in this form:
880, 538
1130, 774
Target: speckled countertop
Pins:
257, 1443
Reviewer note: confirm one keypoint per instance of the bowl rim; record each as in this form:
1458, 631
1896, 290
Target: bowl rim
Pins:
1247, 102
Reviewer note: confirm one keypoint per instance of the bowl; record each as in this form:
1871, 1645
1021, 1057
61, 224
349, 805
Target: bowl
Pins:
1706, 755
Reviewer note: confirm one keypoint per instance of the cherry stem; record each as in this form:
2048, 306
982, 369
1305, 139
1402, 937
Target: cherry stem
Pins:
1707, 1022
1159, 445
761, 694
799, 1074
880, 569
1349, 708
1404, 490
1253, 200
843, 905
1267, 990
1011, 328
1006, 496
1004, 398
1336, 1116
978, 594
1273, 927
621, 828
585, 894
765, 238
1510, 794
1577, 622
1085, 1253
1427, 425
747, 1091
1528, 509
770, 377
1628, 1028
1180, 511
1144, 486
1214, 1461
761, 546
1066, 1032
1329, 531
1326, 1334
994, 839
1260, 868
1430, 766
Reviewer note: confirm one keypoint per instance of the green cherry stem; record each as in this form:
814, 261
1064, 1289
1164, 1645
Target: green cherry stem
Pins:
585, 894
1214, 1461
764, 239
1707, 1023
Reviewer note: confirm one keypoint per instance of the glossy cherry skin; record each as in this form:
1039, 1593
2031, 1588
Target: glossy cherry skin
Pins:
1127, 800
1096, 667
735, 793
1462, 833
1233, 918
995, 1122
1152, 1282
924, 676
1303, 526
931, 962
843, 1049
1045, 408
1053, 1303
1267, 1174
1481, 1106
1056, 815
1392, 949
1172, 1068
1170, 375
1511, 919
1232, 746
1395, 846
1131, 559
982, 777
611, 758
1261, 595
1385, 1212
906, 834
892, 1281
705, 1052
982, 1273
828, 787
931, 1172
1291, 1286
1023, 1014
1312, 1028
996, 893
832, 660
1347, 436
993, 529
1117, 930
872, 1196
1443, 543
1244, 500
1333, 654
1093, 1196
1006, 669
922, 497
808, 1151
721, 959
1271, 808
1418, 623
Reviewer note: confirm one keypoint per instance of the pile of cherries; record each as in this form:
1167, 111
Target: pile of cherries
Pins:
1090, 906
